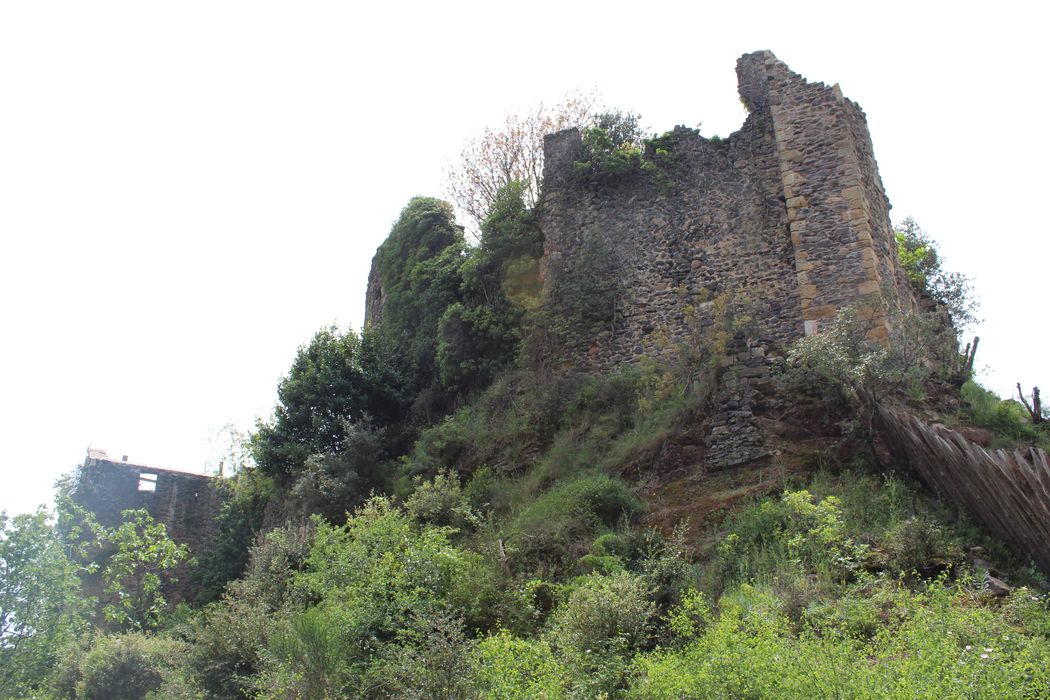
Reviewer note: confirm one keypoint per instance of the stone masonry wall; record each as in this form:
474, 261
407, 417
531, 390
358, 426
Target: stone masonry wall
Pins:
185, 503
789, 210
788, 213
837, 209
716, 226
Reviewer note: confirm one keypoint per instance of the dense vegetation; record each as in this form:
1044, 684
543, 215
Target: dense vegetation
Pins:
435, 513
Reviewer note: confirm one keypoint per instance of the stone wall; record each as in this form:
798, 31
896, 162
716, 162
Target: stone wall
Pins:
788, 215
788, 212
837, 209
716, 224
185, 503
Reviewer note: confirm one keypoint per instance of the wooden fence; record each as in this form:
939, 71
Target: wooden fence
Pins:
1007, 492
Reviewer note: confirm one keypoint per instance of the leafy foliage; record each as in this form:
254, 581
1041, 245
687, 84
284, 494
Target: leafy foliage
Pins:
845, 358
142, 561
337, 381
604, 158
332, 484
510, 153
41, 609
923, 266
480, 335
237, 524
132, 666
939, 645
1007, 419
230, 635
419, 264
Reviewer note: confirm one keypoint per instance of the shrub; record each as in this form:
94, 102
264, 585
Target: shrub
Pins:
794, 533
129, 667
433, 659
1007, 419
923, 266
604, 620
440, 501
335, 483
236, 526
307, 659
378, 569
419, 265
546, 529
917, 544
509, 668
229, 635
605, 159
843, 359
611, 613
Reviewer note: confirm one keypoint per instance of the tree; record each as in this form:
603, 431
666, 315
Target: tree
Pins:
511, 152
923, 266
336, 380
41, 608
142, 562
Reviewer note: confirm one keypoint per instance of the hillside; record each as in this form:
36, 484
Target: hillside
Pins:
690, 419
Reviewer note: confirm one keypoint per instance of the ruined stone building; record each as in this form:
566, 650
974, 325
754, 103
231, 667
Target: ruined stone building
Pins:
788, 212
185, 503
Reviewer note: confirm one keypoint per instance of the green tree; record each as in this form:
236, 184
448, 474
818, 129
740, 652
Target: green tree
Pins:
142, 561
41, 608
923, 265
337, 380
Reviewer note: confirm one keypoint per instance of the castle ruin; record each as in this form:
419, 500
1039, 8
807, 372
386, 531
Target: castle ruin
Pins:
789, 212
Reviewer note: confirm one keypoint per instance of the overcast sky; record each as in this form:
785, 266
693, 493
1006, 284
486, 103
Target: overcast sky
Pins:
189, 190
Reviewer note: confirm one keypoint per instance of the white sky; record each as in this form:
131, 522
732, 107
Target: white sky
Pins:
189, 190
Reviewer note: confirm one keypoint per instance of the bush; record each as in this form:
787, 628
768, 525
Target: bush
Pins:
547, 530
922, 264
844, 360
333, 484
440, 501
236, 526
612, 613
789, 535
433, 659
229, 635
917, 544
307, 659
509, 668
419, 266
378, 569
129, 667
1007, 419
938, 644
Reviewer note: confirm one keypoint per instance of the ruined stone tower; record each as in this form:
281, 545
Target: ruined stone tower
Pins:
789, 211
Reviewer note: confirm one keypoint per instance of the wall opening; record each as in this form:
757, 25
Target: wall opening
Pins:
147, 482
